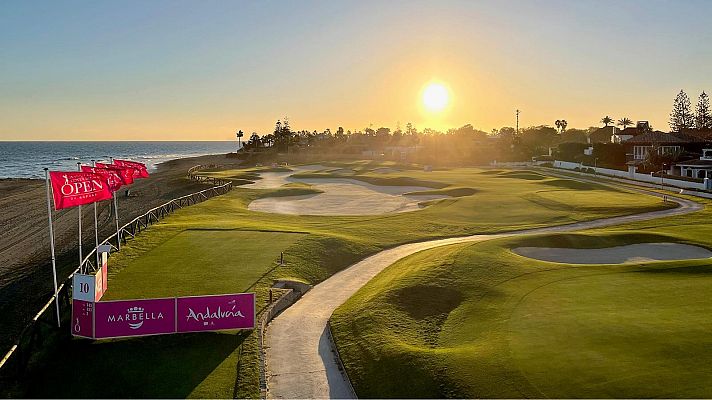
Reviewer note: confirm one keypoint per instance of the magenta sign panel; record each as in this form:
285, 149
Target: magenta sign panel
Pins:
83, 318
134, 318
211, 313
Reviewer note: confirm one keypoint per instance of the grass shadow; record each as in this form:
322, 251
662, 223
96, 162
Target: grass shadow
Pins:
170, 366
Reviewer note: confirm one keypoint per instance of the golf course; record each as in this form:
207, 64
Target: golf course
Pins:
472, 320
485, 320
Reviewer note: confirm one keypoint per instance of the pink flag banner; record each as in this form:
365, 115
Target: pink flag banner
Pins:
72, 189
127, 174
112, 177
141, 170
126, 318
211, 313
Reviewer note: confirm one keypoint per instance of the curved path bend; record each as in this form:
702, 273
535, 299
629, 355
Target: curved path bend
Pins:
299, 358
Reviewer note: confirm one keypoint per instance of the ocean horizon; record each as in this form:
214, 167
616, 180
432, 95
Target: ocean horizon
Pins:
27, 159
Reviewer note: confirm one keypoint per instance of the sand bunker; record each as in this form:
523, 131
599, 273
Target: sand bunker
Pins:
341, 196
634, 253
271, 180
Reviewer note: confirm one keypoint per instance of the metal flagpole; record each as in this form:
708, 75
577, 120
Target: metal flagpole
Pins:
81, 256
116, 216
96, 227
51, 243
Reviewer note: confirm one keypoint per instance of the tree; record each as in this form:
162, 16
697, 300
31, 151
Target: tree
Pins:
703, 117
625, 122
681, 115
607, 120
561, 125
254, 141
239, 135
410, 129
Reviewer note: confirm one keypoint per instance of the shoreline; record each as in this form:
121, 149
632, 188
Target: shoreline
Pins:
152, 168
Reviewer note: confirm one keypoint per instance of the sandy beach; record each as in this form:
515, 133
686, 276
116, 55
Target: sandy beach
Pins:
25, 267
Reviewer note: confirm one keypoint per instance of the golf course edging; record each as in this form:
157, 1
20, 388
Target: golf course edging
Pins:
337, 357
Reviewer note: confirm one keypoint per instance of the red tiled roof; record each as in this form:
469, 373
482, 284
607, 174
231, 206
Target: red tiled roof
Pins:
658, 138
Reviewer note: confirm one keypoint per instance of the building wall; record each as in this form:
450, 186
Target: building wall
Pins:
707, 185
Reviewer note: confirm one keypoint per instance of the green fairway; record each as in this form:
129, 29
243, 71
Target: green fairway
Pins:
182, 263
476, 320
219, 246
198, 262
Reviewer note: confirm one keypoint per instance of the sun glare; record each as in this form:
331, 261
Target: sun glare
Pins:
435, 97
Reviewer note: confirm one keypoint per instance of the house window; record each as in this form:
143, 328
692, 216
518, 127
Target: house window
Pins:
668, 149
639, 152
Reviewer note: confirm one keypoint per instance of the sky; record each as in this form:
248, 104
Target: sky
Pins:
200, 70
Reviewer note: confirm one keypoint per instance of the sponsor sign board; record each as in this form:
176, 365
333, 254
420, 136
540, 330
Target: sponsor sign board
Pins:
83, 318
134, 318
125, 318
211, 313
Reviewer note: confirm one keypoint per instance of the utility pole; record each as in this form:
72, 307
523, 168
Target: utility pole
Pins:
517, 122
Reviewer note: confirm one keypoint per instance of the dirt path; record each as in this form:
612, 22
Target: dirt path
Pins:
299, 358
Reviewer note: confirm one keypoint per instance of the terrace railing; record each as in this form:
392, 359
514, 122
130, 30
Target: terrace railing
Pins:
22, 348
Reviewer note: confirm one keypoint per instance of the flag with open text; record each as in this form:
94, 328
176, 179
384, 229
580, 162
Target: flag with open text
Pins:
72, 189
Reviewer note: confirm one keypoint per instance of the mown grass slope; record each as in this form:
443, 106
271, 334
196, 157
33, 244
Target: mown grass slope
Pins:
476, 320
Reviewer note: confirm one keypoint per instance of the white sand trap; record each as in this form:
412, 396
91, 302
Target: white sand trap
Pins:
341, 196
271, 180
345, 197
633, 253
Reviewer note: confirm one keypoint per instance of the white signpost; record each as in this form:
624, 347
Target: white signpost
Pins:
88, 289
91, 287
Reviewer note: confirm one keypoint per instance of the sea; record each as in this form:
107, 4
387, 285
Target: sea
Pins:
28, 159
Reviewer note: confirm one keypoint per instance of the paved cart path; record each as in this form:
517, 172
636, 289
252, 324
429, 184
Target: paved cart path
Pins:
299, 358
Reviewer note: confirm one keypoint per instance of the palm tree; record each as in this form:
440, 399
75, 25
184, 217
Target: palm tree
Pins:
607, 120
239, 135
625, 122
561, 125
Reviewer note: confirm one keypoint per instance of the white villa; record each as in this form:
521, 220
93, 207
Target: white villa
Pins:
701, 168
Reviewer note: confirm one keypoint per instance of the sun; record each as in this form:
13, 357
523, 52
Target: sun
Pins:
435, 97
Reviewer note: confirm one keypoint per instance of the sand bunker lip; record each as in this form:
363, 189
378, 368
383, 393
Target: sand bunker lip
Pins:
632, 253
340, 196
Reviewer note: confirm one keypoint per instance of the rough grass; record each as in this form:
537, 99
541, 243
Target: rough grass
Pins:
205, 365
452, 192
527, 175
514, 327
572, 184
